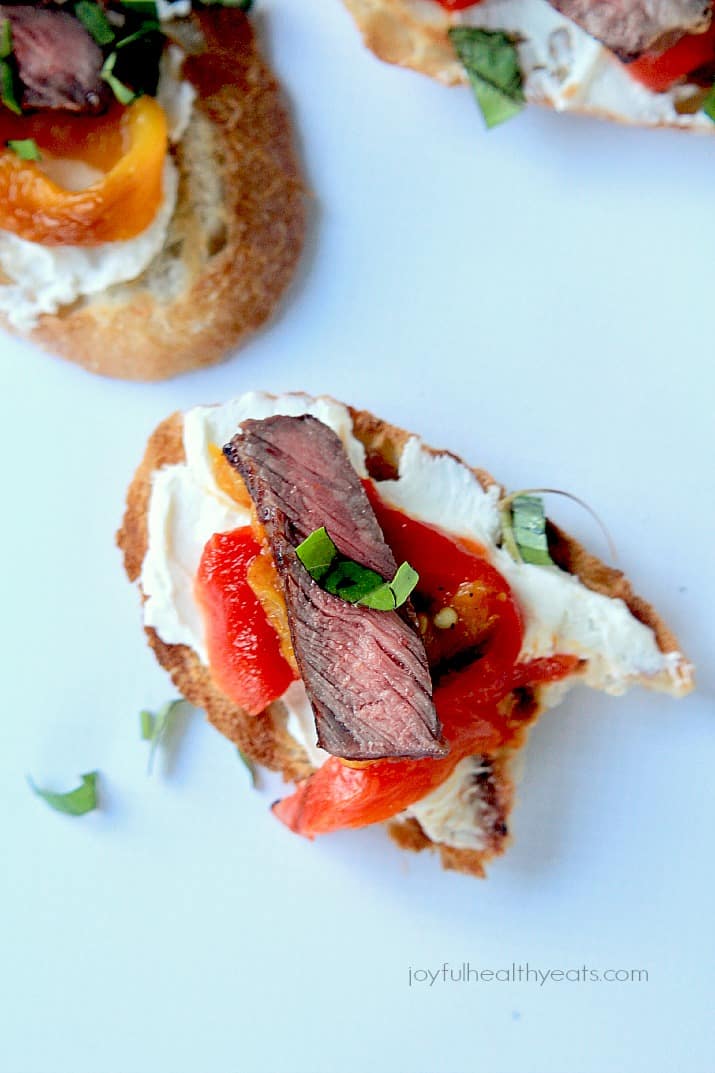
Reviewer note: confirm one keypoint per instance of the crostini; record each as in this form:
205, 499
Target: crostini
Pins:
370, 616
152, 208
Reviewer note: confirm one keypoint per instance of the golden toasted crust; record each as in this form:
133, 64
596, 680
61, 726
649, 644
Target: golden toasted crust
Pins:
264, 737
413, 34
229, 256
399, 34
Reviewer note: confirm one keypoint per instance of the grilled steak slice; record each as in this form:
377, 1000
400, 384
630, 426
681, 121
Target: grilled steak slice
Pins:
631, 27
365, 671
58, 62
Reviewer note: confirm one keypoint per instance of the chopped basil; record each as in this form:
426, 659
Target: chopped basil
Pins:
146, 725
491, 61
392, 594
249, 765
7, 88
154, 728
25, 148
353, 583
74, 802
142, 7
317, 553
94, 21
123, 93
144, 29
5, 39
529, 529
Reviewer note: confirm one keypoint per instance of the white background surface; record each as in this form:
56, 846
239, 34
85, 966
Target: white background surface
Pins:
539, 300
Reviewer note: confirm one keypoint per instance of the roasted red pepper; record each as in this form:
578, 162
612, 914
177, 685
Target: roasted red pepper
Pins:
659, 71
244, 650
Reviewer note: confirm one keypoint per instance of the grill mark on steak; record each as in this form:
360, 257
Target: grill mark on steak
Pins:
365, 671
58, 62
632, 27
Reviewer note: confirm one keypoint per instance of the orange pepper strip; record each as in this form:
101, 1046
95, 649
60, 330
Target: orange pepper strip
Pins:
130, 146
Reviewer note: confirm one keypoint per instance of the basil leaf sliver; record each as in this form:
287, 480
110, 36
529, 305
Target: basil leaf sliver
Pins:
351, 582
94, 21
25, 148
492, 64
317, 553
5, 39
142, 7
529, 528
123, 93
161, 723
7, 88
146, 725
392, 594
74, 802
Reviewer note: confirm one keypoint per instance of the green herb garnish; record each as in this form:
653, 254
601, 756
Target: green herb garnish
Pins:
94, 21
155, 727
5, 39
146, 725
123, 93
25, 148
353, 583
74, 802
249, 766
142, 7
491, 61
145, 29
528, 529
7, 88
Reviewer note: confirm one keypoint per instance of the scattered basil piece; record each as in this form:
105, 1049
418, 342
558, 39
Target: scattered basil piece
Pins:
144, 29
142, 7
529, 522
491, 61
708, 105
249, 765
123, 93
74, 802
5, 39
353, 583
154, 728
25, 148
94, 21
146, 725
524, 530
317, 553
7, 88
392, 594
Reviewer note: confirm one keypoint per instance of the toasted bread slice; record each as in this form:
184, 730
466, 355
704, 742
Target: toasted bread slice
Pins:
563, 67
235, 236
265, 738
